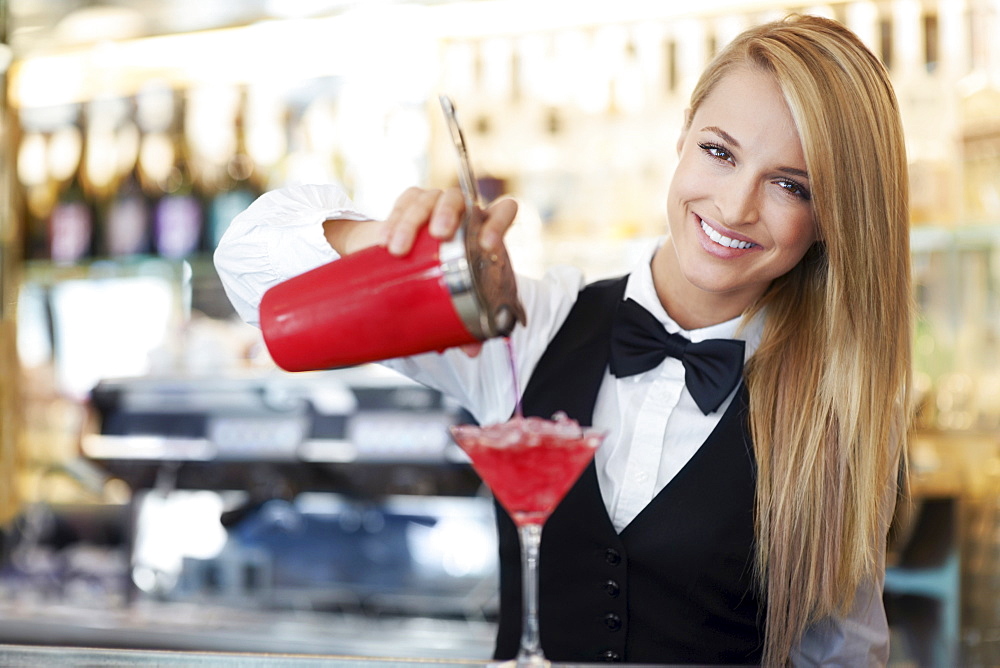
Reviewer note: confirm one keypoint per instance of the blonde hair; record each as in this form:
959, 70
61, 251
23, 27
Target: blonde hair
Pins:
829, 383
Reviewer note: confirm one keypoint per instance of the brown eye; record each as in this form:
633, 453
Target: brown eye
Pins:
794, 188
716, 151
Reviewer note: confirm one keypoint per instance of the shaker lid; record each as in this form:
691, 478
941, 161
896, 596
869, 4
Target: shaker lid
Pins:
481, 283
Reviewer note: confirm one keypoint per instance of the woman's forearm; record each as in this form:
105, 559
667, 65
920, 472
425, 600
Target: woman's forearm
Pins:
346, 236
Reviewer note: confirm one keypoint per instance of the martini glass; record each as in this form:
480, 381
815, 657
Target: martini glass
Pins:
529, 464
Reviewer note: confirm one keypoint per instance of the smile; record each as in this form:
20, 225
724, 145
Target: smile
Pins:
723, 240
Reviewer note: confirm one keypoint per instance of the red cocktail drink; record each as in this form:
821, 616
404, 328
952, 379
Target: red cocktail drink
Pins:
529, 464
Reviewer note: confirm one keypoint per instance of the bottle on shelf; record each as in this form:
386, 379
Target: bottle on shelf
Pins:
127, 224
178, 214
71, 222
39, 191
237, 186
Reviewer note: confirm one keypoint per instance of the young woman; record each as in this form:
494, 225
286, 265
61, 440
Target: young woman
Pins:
747, 531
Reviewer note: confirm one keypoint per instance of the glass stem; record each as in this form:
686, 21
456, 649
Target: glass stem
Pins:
531, 539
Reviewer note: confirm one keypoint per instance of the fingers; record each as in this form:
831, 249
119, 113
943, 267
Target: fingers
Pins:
448, 213
416, 207
410, 212
442, 211
499, 217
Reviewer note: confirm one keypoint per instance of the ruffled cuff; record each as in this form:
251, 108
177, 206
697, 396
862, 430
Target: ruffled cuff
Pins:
277, 237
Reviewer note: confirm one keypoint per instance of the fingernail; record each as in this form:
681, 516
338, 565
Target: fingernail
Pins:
438, 226
396, 244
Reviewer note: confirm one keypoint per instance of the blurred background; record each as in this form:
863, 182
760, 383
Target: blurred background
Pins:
163, 485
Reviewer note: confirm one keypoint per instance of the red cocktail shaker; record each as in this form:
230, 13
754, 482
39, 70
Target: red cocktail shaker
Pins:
371, 305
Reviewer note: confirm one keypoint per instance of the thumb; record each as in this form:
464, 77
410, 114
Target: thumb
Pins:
499, 217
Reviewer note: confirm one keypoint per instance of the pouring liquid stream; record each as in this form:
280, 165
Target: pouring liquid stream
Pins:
529, 464
518, 413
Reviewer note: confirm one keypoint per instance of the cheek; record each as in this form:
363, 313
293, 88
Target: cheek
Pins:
797, 235
685, 186
673, 205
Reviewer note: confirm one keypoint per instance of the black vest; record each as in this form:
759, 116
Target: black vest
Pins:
676, 586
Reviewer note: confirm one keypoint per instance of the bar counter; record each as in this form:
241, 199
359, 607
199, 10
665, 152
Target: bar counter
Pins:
169, 634
25, 656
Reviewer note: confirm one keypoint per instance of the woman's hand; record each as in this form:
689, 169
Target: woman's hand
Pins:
442, 212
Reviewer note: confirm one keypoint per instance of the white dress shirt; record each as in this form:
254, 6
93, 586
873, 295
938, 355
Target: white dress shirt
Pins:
653, 424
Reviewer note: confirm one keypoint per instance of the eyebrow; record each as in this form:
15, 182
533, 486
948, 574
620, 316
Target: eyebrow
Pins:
794, 171
722, 133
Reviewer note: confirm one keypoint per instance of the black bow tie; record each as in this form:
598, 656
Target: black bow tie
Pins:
639, 343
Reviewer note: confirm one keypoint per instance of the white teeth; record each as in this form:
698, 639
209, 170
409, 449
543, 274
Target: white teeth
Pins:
721, 240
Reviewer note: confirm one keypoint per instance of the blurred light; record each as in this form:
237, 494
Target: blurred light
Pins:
127, 146
265, 132
171, 527
457, 547
209, 121
110, 23
862, 18
101, 165
32, 165
156, 155
65, 148
34, 345
293, 9
6, 57
108, 328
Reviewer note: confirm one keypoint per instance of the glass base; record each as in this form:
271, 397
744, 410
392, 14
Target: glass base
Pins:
523, 662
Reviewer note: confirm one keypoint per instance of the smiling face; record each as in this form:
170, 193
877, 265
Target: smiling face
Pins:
739, 204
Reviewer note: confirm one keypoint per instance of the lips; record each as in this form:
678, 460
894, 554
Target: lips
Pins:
724, 241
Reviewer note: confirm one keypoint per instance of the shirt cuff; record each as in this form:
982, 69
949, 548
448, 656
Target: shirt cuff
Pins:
277, 237
861, 639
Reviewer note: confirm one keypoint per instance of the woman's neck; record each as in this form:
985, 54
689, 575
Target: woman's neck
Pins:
689, 306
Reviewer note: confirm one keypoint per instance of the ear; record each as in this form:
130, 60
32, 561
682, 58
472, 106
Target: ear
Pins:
684, 130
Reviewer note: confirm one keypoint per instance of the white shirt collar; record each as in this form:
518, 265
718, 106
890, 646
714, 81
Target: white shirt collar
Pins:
640, 288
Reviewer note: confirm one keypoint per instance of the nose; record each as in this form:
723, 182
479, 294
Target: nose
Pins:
739, 202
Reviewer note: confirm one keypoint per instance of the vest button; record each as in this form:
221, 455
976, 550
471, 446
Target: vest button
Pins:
612, 621
610, 655
613, 556
612, 588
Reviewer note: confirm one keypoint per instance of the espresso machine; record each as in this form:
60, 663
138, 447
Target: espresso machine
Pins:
336, 490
